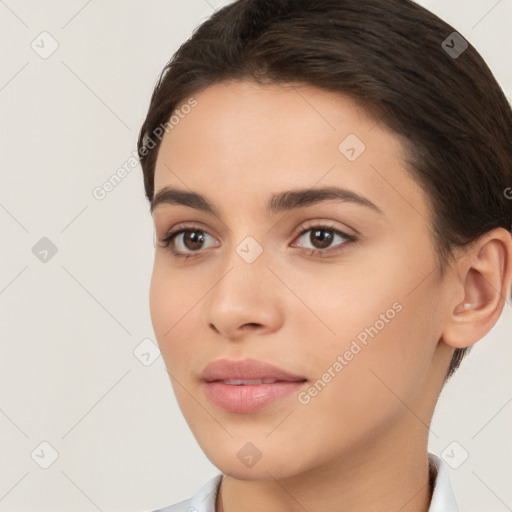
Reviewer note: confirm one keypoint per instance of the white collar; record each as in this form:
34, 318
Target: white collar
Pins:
443, 499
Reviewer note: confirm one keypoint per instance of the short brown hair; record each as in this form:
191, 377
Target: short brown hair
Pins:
407, 67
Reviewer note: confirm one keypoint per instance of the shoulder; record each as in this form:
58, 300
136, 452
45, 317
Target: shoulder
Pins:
202, 501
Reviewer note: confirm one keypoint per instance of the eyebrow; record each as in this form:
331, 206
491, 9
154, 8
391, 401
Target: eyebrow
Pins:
284, 201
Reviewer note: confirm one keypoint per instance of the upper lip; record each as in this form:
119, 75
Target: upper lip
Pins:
245, 369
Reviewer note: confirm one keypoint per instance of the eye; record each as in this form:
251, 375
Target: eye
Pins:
185, 242
323, 239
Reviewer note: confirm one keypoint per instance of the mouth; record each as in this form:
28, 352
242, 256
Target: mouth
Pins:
247, 386
252, 382
245, 371
249, 396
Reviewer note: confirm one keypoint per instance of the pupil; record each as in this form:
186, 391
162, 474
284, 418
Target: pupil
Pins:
321, 238
193, 239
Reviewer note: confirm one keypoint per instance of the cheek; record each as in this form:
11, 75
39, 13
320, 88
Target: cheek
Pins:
373, 330
168, 303
372, 380
175, 302
160, 303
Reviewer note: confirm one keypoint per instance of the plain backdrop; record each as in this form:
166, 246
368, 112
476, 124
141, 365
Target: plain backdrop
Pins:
83, 389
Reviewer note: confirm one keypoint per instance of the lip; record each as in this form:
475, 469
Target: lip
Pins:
247, 398
224, 369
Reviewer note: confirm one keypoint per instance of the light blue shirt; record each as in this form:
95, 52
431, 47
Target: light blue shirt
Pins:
443, 499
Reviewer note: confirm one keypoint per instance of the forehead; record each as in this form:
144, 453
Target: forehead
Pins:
249, 140
247, 122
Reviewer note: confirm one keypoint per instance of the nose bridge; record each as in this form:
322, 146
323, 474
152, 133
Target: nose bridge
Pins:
245, 269
244, 294
245, 255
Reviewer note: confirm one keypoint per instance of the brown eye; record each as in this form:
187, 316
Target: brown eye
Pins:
188, 242
321, 238
193, 240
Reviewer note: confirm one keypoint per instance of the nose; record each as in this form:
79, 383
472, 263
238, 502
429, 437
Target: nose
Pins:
245, 300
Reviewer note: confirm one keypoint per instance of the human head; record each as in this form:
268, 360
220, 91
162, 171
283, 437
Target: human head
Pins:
454, 120
257, 103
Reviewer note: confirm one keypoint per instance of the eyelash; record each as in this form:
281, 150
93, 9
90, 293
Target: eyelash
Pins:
166, 242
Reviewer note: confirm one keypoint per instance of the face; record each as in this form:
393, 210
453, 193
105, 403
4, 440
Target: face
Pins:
309, 249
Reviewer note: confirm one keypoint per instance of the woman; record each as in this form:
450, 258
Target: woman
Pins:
330, 186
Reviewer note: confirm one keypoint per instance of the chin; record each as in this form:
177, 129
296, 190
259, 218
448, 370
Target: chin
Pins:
253, 461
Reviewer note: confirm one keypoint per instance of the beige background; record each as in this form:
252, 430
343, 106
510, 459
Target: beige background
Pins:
69, 326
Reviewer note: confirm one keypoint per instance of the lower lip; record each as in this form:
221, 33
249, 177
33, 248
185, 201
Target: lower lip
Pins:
249, 398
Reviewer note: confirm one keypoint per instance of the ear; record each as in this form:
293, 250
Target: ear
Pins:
484, 277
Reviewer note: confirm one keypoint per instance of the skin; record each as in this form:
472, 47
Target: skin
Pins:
368, 428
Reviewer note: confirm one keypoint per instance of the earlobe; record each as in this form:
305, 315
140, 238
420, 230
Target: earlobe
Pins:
485, 275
